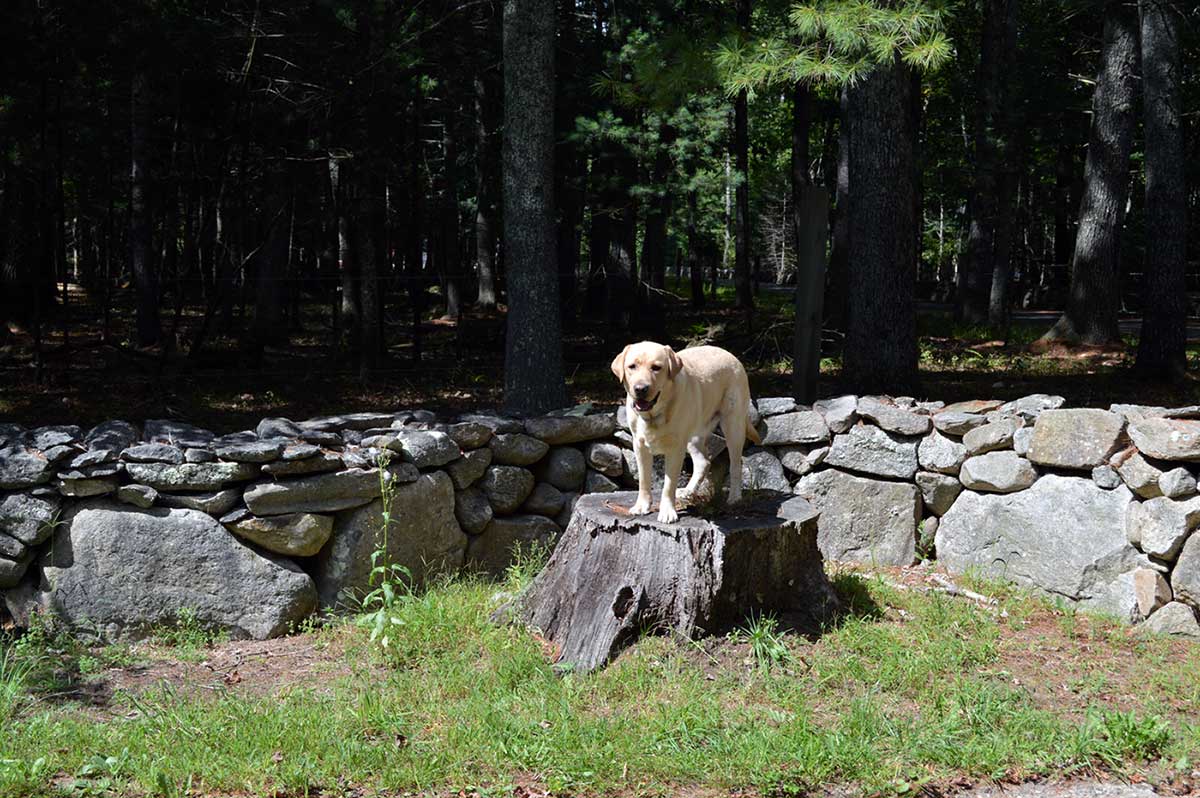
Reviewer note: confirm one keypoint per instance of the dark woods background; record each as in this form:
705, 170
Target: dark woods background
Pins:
205, 193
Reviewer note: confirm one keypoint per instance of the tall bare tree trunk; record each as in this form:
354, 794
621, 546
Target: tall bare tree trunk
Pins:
1091, 314
1162, 348
141, 264
533, 370
743, 287
881, 340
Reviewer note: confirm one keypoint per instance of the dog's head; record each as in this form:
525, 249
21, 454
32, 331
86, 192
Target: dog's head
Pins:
647, 370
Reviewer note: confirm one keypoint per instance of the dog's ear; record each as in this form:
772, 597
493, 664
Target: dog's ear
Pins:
674, 363
618, 365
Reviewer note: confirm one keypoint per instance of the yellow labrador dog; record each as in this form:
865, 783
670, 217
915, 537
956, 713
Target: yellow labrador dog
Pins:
674, 400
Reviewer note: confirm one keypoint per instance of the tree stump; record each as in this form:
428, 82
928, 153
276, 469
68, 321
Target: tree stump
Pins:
614, 576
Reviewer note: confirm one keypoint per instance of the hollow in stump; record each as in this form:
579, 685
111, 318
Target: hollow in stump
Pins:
614, 576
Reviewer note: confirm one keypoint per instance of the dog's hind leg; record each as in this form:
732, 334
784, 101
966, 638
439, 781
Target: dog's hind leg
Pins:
700, 463
733, 425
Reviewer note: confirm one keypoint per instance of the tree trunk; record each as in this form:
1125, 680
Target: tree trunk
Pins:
614, 576
149, 329
1162, 349
533, 370
451, 251
1091, 314
743, 290
654, 239
339, 174
881, 342
485, 211
993, 120
695, 262
838, 281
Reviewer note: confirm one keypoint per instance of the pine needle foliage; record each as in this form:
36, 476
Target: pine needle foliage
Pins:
834, 43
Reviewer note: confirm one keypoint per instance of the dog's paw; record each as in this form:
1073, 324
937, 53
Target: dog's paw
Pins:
667, 514
640, 507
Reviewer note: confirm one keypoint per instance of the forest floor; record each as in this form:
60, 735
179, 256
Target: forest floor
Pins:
911, 691
87, 378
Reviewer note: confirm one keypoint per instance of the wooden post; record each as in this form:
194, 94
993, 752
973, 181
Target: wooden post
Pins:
812, 235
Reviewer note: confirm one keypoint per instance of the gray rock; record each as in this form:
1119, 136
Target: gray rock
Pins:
992, 436
1167, 438
194, 455
1136, 412
761, 470
926, 535
279, 428
293, 452
323, 493
87, 487
1176, 619
251, 451
1178, 483
13, 570
1106, 477
324, 461
1031, 407
871, 450
155, 453
805, 426
472, 510
1185, 576
605, 458
564, 515
494, 550
507, 487
93, 457
468, 469
974, 406
891, 417
515, 448
426, 448
29, 519
215, 503
11, 548
557, 430
1190, 411
120, 572
138, 495
775, 405
494, 423
111, 435
92, 471
955, 422
938, 453
800, 460
863, 520
545, 500
10, 433
49, 437
595, 482
354, 421
21, 467
564, 467
294, 534
997, 472
190, 476
1063, 536
176, 433
839, 413
1078, 439
424, 538
469, 434
1152, 591
1022, 438
1140, 475
1160, 526
938, 491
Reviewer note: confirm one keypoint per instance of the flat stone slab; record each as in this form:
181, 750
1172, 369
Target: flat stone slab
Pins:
1078, 439
322, 493
1167, 438
190, 476
557, 430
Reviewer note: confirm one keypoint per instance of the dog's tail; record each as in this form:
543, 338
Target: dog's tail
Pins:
751, 432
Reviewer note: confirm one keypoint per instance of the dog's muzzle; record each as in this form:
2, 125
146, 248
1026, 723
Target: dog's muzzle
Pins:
645, 405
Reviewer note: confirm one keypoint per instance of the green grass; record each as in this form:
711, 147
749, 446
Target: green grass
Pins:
908, 688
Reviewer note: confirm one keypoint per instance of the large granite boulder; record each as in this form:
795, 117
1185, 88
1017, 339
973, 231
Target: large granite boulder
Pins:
1167, 438
871, 450
863, 520
839, 413
323, 493
805, 426
1160, 526
507, 487
516, 448
1064, 536
564, 468
761, 470
28, 518
1185, 576
424, 537
997, 472
120, 572
936, 452
557, 430
293, 534
504, 538
992, 436
23, 467
1080, 438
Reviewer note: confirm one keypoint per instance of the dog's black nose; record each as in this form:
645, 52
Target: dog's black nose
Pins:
641, 390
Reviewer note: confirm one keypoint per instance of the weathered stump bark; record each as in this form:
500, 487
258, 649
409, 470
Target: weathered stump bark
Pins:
613, 576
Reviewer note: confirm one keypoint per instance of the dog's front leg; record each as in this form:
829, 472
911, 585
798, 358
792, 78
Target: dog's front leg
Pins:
667, 514
645, 461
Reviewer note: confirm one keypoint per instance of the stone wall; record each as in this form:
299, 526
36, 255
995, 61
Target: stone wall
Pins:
118, 528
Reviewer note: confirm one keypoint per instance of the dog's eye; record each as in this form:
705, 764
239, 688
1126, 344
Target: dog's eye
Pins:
656, 367
632, 366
